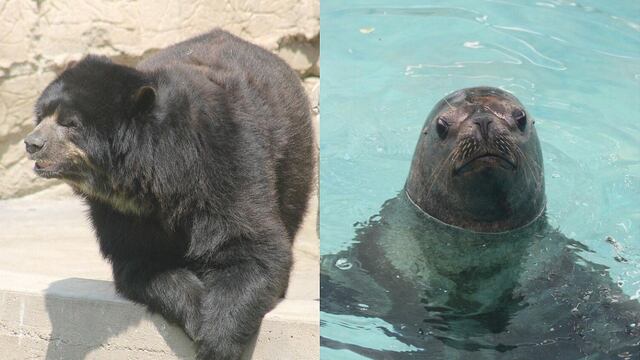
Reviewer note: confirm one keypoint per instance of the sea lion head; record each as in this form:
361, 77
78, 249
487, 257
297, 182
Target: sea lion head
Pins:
478, 163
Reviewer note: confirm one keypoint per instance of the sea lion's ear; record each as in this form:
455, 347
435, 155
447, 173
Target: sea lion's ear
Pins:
143, 100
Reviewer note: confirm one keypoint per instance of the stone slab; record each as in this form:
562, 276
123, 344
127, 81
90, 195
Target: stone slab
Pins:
57, 299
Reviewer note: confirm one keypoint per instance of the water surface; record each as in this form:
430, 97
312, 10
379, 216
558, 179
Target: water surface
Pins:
575, 65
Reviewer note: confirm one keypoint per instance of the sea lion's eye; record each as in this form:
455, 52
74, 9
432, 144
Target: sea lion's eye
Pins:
521, 119
442, 127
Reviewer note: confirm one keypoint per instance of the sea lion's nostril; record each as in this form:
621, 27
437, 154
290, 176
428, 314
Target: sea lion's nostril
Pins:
483, 126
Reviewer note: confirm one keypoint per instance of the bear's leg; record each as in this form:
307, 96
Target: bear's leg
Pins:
174, 293
237, 298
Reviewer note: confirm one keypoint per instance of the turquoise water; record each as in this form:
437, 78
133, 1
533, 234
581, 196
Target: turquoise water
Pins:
575, 65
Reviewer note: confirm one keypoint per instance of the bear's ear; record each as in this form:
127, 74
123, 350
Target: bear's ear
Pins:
59, 70
143, 100
69, 65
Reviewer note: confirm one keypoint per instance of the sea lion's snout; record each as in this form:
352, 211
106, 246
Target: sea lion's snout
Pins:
484, 143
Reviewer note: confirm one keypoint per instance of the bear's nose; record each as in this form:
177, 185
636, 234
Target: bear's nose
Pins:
34, 143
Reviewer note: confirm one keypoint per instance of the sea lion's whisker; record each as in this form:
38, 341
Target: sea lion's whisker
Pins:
535, 175
441, 166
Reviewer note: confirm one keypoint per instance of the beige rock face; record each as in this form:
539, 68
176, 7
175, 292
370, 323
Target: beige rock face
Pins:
38, 37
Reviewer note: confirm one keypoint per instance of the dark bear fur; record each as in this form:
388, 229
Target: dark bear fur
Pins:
197, 166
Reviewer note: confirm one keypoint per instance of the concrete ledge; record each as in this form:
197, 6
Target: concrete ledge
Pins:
57, 300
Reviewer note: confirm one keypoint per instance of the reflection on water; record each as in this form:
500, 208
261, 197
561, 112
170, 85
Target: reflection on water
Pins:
575, 65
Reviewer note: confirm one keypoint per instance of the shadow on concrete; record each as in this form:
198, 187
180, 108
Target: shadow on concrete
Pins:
87, 315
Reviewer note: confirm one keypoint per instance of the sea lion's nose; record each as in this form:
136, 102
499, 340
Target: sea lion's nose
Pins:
483, 124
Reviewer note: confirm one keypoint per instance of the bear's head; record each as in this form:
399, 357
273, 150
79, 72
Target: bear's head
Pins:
83, 117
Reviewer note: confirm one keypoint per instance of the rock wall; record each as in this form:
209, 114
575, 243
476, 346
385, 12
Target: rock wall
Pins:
38, 37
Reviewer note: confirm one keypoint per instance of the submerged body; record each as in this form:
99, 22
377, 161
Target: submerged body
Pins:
452, 294
463, 265
197, 167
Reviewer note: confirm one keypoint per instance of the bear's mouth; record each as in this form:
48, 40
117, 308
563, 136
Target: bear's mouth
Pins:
46, 169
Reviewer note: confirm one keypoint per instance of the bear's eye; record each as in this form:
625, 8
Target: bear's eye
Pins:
442, 127
521, 118
68, 121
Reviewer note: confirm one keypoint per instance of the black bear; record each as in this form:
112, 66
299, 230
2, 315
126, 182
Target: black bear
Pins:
196, 165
